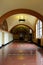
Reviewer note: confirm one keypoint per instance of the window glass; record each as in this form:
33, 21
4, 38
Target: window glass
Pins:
38, 29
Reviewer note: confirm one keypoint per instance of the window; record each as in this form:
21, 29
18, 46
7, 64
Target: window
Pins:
38, 29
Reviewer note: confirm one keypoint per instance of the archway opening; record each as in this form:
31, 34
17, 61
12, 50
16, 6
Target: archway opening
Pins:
22, 33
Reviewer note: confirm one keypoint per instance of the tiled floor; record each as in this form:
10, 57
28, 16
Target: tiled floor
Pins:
18, 54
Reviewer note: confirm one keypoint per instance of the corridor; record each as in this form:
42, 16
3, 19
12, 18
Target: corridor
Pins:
21, 32
19, 54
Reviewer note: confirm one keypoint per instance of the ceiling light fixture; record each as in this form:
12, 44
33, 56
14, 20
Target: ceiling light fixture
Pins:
21, 20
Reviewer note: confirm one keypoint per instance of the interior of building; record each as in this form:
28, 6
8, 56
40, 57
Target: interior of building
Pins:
21, 32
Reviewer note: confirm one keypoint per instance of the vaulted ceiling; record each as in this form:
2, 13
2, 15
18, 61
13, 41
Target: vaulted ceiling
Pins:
9, 5
14, 20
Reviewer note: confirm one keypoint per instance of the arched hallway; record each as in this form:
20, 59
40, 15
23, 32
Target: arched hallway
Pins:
21, 28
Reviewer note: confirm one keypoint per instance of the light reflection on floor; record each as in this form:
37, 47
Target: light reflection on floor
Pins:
18, 54
20, 57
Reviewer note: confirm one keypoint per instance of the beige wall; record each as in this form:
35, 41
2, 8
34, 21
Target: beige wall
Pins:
42, 41
8, 5
34, 38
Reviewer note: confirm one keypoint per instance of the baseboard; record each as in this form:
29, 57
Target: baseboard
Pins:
7, 43
22, 42
38, 45
0, 47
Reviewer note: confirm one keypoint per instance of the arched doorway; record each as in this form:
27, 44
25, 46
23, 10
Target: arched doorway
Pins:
22, 33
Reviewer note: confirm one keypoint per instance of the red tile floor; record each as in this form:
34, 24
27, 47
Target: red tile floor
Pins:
19, 54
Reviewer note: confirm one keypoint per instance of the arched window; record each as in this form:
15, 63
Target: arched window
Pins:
39, 29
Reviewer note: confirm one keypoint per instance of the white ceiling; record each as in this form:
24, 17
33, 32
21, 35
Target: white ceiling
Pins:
14, 20
8, 5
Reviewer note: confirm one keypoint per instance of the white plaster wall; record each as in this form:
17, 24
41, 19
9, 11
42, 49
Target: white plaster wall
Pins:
0, 38
6, 40
5, 37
